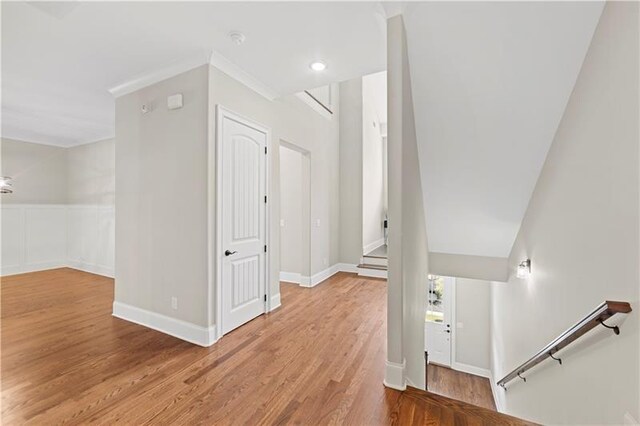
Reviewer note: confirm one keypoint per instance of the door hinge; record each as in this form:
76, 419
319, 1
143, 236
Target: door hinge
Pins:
265, 149
265, 198
265, 297
265, 248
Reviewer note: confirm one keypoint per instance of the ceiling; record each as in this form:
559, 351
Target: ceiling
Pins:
60, 58
490, 82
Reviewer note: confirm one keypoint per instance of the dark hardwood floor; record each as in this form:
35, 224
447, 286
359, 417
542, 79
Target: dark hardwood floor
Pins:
317, 360
461, 386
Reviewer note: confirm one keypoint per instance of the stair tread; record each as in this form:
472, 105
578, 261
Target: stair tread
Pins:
491, 416
369, 266
375, 256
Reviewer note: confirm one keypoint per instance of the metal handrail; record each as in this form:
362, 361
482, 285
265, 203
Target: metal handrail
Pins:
603, 312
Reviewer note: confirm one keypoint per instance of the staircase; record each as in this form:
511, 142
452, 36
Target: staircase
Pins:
418, 407
374, 264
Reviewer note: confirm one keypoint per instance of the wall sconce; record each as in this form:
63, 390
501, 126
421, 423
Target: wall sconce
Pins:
524, 269
5, 185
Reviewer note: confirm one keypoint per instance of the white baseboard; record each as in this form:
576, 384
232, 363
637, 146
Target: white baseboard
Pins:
275, 302
94, 269
33, 267
321, 276
316, 279
291, 277
45, 266
471, 369
184, 330
494, 390
394, 375
372, 246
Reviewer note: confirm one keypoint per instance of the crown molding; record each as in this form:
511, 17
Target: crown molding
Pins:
144, 80
214, 59
237, 73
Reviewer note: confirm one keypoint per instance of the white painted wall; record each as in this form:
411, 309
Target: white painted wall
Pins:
163, 191
581, 233
472, 327
39, 172
465, 266
91, 207
408, 251
76, 231
351, 171
415, 252
91, 173
373, 164
161, 194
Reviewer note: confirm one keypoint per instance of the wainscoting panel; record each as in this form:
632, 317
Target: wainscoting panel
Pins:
33, 237
39, 237
45, 230
12, 237
91, 238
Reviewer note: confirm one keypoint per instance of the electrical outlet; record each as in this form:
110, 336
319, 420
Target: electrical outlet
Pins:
174, 303
325, 261
460, 325
317, 223
281, 223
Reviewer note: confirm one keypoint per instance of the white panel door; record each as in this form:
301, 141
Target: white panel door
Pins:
243, 225
438, 320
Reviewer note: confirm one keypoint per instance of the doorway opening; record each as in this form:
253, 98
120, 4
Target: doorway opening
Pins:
374, 176
457, 339
295, 211
438, 332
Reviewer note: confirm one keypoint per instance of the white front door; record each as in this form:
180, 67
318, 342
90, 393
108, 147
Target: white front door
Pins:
243, 221
438, 320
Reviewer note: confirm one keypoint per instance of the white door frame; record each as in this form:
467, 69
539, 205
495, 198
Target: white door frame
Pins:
306, 221
454, 325
222, 113
452, 329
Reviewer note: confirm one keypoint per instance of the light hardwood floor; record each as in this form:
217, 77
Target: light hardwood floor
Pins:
317, 360
461, 386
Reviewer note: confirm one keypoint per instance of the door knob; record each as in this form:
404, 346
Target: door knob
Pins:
229, 253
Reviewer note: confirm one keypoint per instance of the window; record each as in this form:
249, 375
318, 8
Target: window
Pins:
434, 300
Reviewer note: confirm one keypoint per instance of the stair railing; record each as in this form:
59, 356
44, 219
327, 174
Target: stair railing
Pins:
603, 312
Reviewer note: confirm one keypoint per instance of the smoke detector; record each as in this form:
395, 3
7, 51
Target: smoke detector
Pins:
237, 37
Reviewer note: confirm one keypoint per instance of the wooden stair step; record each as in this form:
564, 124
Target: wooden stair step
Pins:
369, 266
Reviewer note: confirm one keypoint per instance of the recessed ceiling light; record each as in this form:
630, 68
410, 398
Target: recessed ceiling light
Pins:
318, 66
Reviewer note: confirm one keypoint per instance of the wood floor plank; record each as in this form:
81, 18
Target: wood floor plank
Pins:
316, 360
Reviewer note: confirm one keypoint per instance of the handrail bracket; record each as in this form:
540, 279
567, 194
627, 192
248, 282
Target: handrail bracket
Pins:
554, 358
615, 328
